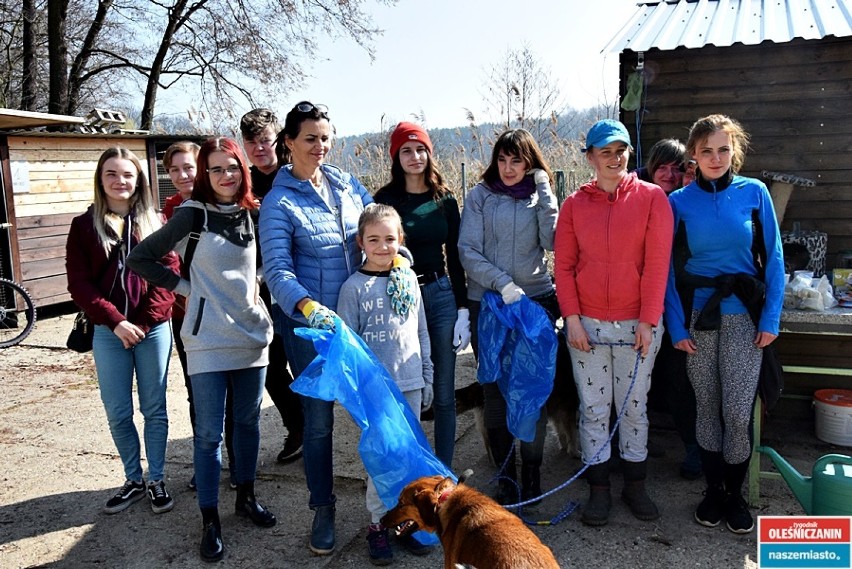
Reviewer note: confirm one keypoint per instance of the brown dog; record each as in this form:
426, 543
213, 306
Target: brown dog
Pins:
473, 528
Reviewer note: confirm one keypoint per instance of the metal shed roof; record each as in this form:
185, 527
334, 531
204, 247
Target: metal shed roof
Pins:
670, 24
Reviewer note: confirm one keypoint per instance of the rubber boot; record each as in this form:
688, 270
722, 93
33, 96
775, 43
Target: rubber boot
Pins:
596, 512
532, 453
248, 506
634, 493
501, 442
212, 547
711, 509
737, 515
530, 483
322, 530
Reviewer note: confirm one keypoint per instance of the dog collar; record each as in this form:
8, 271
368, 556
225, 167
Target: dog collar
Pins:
444, 495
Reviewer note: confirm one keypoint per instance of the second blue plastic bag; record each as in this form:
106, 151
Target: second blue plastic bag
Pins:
393, 447
517, 349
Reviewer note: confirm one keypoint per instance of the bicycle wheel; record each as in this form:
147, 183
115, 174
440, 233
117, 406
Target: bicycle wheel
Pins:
17, 313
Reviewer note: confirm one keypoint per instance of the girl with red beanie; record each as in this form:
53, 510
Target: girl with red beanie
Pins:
430, 218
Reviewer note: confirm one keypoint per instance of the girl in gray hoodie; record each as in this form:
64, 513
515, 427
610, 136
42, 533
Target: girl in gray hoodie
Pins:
507, 224
227, 330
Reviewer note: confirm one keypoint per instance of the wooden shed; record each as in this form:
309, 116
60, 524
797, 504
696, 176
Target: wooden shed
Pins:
783, 69
47, 180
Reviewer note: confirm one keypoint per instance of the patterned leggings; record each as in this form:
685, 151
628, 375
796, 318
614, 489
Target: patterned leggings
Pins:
603, 376
724, 372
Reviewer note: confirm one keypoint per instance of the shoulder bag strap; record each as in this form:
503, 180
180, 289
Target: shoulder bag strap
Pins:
194, 236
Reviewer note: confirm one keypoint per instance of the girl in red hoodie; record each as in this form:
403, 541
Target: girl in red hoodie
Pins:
612, 246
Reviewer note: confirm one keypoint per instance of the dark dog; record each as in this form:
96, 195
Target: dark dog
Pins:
561, 405
473, 528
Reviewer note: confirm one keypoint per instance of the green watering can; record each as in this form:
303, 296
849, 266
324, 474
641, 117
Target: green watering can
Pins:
828, 492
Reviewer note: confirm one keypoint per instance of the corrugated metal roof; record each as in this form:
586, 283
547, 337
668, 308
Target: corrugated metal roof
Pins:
671, 24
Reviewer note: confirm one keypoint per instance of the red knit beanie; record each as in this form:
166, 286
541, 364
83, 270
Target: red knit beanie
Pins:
405, 132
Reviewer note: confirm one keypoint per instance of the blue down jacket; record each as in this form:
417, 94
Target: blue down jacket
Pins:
308, 249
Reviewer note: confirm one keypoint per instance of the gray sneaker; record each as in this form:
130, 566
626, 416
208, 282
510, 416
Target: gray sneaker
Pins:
161, 502
129, 494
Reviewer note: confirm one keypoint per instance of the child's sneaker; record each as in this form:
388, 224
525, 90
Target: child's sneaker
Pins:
377, 541
161, 502
129, 494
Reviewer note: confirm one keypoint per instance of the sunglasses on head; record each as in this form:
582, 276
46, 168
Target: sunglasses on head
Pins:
308, 107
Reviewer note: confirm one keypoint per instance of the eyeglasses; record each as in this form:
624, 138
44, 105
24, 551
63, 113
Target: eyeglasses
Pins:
217, 172
308, 107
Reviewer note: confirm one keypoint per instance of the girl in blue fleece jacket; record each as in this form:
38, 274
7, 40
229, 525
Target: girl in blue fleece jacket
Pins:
717, 219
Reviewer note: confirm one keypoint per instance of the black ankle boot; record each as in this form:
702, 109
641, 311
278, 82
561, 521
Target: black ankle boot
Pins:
248, 506
530, 483
322, 530
212, 546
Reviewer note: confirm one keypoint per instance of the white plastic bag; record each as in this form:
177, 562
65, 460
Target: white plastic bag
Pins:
803, 294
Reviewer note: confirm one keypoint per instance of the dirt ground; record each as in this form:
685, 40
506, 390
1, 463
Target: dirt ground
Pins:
59, 466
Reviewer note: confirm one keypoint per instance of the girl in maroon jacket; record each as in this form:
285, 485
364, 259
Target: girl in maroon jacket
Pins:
132, 332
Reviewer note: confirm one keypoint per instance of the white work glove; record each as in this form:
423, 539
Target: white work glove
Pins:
539, 176
427, 394
319, 316
461, 331
511, 293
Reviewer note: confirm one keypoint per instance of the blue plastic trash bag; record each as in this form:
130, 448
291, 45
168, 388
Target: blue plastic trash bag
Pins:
393, 447
517, 349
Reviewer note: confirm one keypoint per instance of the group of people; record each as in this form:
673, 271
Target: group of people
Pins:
268, 238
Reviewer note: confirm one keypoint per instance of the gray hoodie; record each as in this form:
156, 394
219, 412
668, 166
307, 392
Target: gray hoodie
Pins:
503, 240
226, 326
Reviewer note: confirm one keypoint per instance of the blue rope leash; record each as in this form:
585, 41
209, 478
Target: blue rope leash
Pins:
571, 506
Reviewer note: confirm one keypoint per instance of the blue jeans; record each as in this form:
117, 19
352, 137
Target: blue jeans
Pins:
441, 315
209, 391
115, 366
319, 415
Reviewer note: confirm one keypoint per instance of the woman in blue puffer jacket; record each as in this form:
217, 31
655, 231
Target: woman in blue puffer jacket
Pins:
308, 224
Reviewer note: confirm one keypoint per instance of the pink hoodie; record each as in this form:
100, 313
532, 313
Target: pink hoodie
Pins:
613, 251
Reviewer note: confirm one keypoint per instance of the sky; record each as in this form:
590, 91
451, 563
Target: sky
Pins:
434, 56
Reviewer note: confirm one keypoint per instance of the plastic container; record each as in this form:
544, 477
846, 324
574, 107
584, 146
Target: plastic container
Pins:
833, 408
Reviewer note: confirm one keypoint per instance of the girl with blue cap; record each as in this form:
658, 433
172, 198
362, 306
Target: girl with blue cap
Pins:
612, 257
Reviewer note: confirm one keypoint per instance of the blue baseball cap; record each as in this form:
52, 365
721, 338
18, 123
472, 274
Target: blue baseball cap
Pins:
605, 131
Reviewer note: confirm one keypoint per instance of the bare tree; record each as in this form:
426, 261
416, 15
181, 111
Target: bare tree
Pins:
248, 50
228, 51
524, 93
79, 68
57, 13
28, 72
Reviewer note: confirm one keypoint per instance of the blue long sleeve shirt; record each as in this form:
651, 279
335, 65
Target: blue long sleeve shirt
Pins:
718, 223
